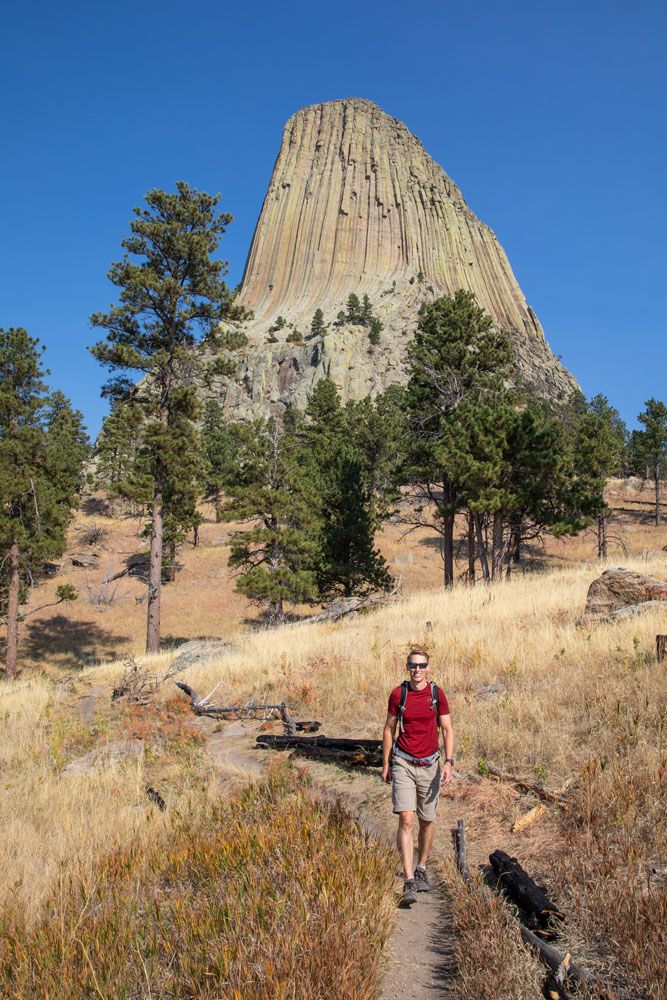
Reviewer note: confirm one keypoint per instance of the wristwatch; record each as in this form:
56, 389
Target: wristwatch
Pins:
448, 760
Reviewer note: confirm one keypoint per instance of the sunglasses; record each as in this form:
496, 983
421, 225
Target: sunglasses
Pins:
417, 666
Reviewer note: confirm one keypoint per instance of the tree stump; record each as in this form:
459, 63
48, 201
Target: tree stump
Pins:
661, 647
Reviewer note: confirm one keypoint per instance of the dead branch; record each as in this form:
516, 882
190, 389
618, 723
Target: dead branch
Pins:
251, 709
350, 606
576, 973
349, 753
528, 786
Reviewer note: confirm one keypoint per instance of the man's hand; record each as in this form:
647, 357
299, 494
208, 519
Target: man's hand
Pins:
446, 775
386, 773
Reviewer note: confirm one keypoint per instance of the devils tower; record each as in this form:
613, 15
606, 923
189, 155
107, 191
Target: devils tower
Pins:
356, 205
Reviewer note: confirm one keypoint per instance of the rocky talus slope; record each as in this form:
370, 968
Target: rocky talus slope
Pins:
356, 204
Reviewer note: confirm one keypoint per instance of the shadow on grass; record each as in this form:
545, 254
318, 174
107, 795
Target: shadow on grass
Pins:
69, 643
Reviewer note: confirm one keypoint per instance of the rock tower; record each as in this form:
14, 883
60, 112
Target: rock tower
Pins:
356, 204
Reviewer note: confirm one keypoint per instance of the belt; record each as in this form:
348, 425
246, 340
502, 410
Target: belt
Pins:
417, 761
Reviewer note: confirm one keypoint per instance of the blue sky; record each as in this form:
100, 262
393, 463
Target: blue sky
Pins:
549, 117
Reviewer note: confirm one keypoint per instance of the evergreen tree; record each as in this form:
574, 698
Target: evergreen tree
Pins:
651, 445
339, 442
455, 355
274, 490
348, 564
317, 324
366, 311
598, 441
42, 449
219, 455
353, 309
116, 449
170, 289
375, 331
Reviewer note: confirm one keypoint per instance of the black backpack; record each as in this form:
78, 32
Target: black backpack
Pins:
405, 687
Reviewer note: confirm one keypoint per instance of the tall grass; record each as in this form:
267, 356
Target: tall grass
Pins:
270, 895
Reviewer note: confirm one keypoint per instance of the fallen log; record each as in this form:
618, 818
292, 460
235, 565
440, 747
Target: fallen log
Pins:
345, 758
352, 753
527, 786
517, 884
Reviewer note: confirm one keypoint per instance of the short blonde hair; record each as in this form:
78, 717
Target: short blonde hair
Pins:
417, 652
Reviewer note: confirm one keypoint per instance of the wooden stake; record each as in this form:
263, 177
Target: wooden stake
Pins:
661, 647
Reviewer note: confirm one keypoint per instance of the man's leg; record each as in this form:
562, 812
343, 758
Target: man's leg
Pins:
425, 842
405, 843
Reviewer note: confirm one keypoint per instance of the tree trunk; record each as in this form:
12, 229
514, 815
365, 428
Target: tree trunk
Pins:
471, 547
155, 571
13, 610
656, 479
602, 536
448, 549
481, 547
497, 555
195, 535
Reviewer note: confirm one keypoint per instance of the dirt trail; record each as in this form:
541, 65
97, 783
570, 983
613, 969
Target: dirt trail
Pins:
419, 954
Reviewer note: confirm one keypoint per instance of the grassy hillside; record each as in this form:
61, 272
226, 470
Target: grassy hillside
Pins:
109, 618
587, 704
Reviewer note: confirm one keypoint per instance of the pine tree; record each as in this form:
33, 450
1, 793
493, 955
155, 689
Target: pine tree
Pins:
455, 355
337, 441
274, 490
219, 455
42, 448
116, 449
652, 445
353, 309
317, 324
366, 311
598, 441
170, 289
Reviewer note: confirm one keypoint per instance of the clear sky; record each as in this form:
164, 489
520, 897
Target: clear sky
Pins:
549, 116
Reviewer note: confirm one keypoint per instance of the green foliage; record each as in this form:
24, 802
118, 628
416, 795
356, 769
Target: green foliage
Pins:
116, 448
273, 490
294, 337
354, 311
374, 331
227, 340
219, 445
341, 319
43, 446
344, 445
278, 325
317, 325
171, 292
651, 446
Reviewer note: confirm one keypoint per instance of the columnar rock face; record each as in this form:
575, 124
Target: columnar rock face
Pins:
355, 204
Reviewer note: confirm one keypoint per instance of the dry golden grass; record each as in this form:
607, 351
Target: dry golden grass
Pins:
589, 703
269, 896
202, 601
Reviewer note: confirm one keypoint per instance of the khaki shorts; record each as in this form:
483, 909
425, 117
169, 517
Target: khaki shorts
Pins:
415, 789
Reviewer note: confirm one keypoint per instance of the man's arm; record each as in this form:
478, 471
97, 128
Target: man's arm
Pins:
387, 743
447, 730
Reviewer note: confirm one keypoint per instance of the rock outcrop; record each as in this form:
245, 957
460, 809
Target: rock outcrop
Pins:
621, 593
356, 205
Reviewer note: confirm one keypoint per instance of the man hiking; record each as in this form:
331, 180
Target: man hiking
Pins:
420, 711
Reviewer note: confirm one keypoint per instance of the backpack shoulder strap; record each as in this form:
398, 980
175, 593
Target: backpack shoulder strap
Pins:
405, 687
435, 695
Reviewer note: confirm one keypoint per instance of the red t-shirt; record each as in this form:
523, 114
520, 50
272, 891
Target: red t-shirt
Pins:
419, 737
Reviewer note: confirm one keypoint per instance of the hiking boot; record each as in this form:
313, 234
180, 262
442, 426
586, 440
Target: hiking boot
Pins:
422, 883
409, 894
